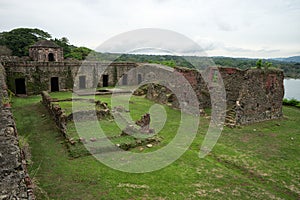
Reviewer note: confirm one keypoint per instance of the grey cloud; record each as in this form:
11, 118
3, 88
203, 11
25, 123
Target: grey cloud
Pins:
150, 38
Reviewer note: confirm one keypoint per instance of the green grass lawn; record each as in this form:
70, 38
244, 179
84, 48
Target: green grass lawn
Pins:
259, 161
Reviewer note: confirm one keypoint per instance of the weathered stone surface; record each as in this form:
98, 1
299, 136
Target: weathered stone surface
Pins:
37, 75
238, 84
251, 95
260, 97
14, 180
46, 51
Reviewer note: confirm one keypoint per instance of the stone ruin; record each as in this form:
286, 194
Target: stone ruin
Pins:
46, 51
15, 182
141, 126
252, 95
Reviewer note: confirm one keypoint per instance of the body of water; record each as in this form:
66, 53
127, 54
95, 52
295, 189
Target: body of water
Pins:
292, 88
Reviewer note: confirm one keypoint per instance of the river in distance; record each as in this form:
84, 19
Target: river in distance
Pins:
292, 88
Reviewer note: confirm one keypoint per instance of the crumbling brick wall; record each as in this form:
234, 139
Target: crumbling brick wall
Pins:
252, 95
14, 179
260, 97
233, 82
164, 95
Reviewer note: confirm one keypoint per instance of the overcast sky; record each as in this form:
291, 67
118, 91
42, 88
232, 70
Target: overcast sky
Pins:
234, 28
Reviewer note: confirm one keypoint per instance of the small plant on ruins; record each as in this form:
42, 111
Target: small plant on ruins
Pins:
268, 65
264, 65
6, 100
259, 64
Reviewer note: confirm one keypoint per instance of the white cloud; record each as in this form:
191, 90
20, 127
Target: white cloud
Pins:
234, 28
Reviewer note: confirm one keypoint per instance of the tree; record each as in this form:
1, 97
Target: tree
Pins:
259, 64
64, 43
79, 53
18, 40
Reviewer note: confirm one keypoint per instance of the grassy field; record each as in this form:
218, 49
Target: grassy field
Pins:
259, 161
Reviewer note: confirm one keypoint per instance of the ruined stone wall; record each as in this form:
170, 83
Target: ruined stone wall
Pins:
41, 54
56, 112
233, 80
260, 97
14, 179
37, 75
198, 84
164, 95
251, 96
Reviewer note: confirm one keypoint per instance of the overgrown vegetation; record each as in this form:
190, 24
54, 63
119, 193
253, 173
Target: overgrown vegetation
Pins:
17, 41
259, 161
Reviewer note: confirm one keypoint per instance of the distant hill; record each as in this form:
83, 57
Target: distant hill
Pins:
288, 59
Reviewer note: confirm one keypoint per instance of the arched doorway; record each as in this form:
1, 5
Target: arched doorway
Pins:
51, 57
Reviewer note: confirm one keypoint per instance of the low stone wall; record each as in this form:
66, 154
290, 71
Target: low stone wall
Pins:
61, 118
58, 114
14, 179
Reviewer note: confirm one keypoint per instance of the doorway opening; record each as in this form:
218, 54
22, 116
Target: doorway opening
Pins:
54, 84
105, 80
51, 57
20, 86
124, 80
82, 82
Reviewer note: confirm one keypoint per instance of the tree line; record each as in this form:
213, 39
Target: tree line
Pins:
17, 41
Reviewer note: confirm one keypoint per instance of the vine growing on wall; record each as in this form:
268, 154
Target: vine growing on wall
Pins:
37, 85
115, 75
69, 79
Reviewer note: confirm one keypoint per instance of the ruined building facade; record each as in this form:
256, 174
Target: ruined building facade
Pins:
251, 95
46, 51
